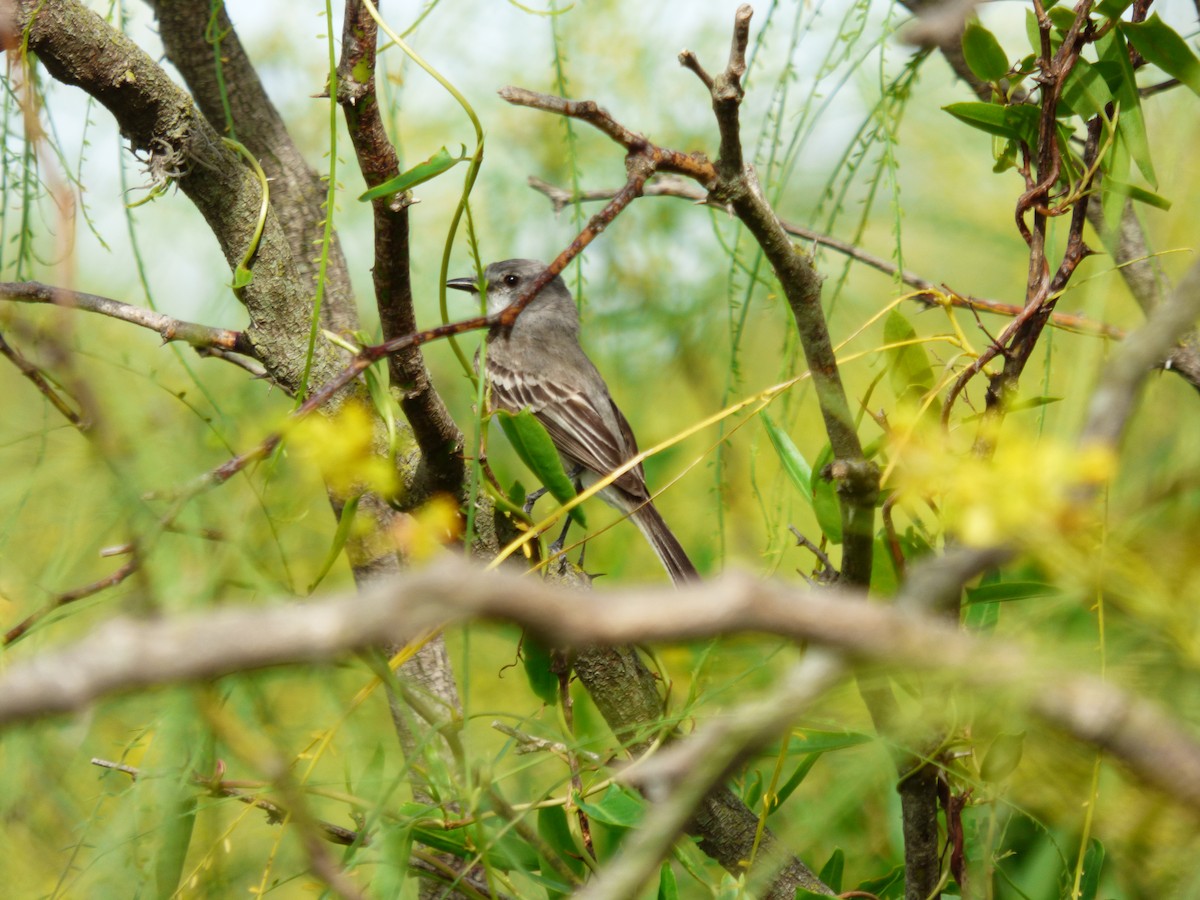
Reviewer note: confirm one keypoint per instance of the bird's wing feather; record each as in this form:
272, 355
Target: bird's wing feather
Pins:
577, 428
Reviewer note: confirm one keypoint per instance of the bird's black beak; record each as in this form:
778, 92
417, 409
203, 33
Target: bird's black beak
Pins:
466, 283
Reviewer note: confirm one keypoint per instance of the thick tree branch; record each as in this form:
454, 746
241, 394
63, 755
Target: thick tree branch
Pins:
195, 37
79, 48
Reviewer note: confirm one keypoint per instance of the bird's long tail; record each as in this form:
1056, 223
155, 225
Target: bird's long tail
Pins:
665, 544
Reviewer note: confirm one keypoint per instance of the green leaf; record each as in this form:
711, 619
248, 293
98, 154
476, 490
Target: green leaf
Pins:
1031, 31
1086, 93
533, 444
537, 661
1062, 17
1116, 165
394, 845
667, 888
502, 850
825, 499
1133, 192
1093, 865
440, 162
1004, 591
1160, 44
794, 463
340, 536
796, 778
981, 617
1018, 122
1114, 57
381, 400
832, 871
983, 53
241, 277
812, 740
1002, 757
616, 807
908, 365
1113, 9
555, 832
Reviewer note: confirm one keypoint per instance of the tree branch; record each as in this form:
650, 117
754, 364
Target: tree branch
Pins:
933, 294
204, 46
168, 328
441, 466
1122, 377
127, 654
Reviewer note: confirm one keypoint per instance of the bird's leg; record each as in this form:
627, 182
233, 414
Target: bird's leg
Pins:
532, 498
557, 546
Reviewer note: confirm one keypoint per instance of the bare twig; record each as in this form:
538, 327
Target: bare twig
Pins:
932, 294
276, 814
528, 743
168, 328
42, 383
67, 597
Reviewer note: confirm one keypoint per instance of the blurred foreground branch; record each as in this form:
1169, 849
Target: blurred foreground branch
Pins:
125, 655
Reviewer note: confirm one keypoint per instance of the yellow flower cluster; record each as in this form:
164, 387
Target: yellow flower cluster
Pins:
1027, 492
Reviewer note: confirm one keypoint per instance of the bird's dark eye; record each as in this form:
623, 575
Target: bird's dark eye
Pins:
511, 279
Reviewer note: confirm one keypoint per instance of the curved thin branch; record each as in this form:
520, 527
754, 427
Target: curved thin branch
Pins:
933, 293
168, 327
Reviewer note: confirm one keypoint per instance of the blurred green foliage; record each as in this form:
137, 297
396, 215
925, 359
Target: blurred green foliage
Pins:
848, 134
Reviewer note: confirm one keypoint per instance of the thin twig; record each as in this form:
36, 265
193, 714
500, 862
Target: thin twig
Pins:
932, 294
169, 328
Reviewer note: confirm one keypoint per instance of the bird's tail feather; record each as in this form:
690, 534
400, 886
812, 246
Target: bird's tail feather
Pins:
665, 544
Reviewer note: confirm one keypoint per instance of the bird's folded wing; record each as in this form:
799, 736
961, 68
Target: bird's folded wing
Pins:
574, 424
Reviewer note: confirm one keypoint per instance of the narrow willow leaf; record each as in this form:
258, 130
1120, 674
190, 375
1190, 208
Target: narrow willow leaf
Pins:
794, 463
795, 779
1086, 93
394, 846
555, 832
1113, 9
381, 400
1062, 17
667, 888
825, 499
1160, 44
1018, 122
1115, 66
1117, 162
983, 53
1093, 865
533, 444
616, 807
1002, 757
832, 871
1004, 591
340, 536
1133, 192
440, 162
908, 365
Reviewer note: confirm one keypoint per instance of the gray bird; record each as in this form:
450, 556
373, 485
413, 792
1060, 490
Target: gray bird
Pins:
539, 364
